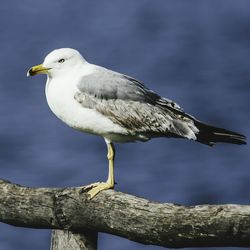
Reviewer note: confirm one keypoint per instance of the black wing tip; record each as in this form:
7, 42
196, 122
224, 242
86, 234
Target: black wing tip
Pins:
211, 142
211, 135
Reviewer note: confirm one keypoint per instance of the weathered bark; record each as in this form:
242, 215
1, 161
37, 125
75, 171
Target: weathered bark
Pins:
68, 240
134, 218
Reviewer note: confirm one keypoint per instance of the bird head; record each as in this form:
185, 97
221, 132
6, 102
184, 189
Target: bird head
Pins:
57, 62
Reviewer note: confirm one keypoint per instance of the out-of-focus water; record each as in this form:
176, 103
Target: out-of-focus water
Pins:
194, 52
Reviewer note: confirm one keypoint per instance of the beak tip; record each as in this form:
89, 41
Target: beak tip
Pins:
29, 72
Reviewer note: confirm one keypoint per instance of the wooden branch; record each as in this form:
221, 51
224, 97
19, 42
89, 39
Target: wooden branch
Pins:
134, 218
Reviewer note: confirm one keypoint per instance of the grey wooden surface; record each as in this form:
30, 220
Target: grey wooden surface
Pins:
67, 240
137, 219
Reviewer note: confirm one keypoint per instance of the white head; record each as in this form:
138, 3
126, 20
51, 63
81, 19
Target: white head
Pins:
58, 61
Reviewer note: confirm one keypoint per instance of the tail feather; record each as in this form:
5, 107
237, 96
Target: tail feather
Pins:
210, 135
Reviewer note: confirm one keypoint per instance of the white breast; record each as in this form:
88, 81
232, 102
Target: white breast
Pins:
60, 97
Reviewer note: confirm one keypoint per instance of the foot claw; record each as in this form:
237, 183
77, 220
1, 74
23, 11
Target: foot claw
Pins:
94, 188
90, 186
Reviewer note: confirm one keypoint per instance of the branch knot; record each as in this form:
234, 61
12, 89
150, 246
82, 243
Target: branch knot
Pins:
60, 216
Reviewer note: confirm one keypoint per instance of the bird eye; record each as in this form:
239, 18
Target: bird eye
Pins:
61, 60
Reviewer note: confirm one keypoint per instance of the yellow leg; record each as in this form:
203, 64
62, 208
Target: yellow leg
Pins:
109, 184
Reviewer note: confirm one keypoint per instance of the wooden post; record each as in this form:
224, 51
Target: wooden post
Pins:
68, 240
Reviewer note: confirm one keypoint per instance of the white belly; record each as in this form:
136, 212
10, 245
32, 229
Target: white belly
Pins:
62, 103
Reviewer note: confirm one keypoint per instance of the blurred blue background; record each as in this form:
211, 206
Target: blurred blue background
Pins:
194, 52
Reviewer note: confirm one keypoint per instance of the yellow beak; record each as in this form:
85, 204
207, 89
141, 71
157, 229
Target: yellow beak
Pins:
38, 69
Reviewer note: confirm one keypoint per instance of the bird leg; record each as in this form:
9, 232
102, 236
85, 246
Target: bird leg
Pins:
97, 187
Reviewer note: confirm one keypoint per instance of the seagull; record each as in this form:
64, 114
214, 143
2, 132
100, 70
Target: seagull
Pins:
96, 100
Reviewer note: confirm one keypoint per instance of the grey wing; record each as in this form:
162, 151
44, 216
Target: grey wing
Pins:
128, 103
107, 84
140, 120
